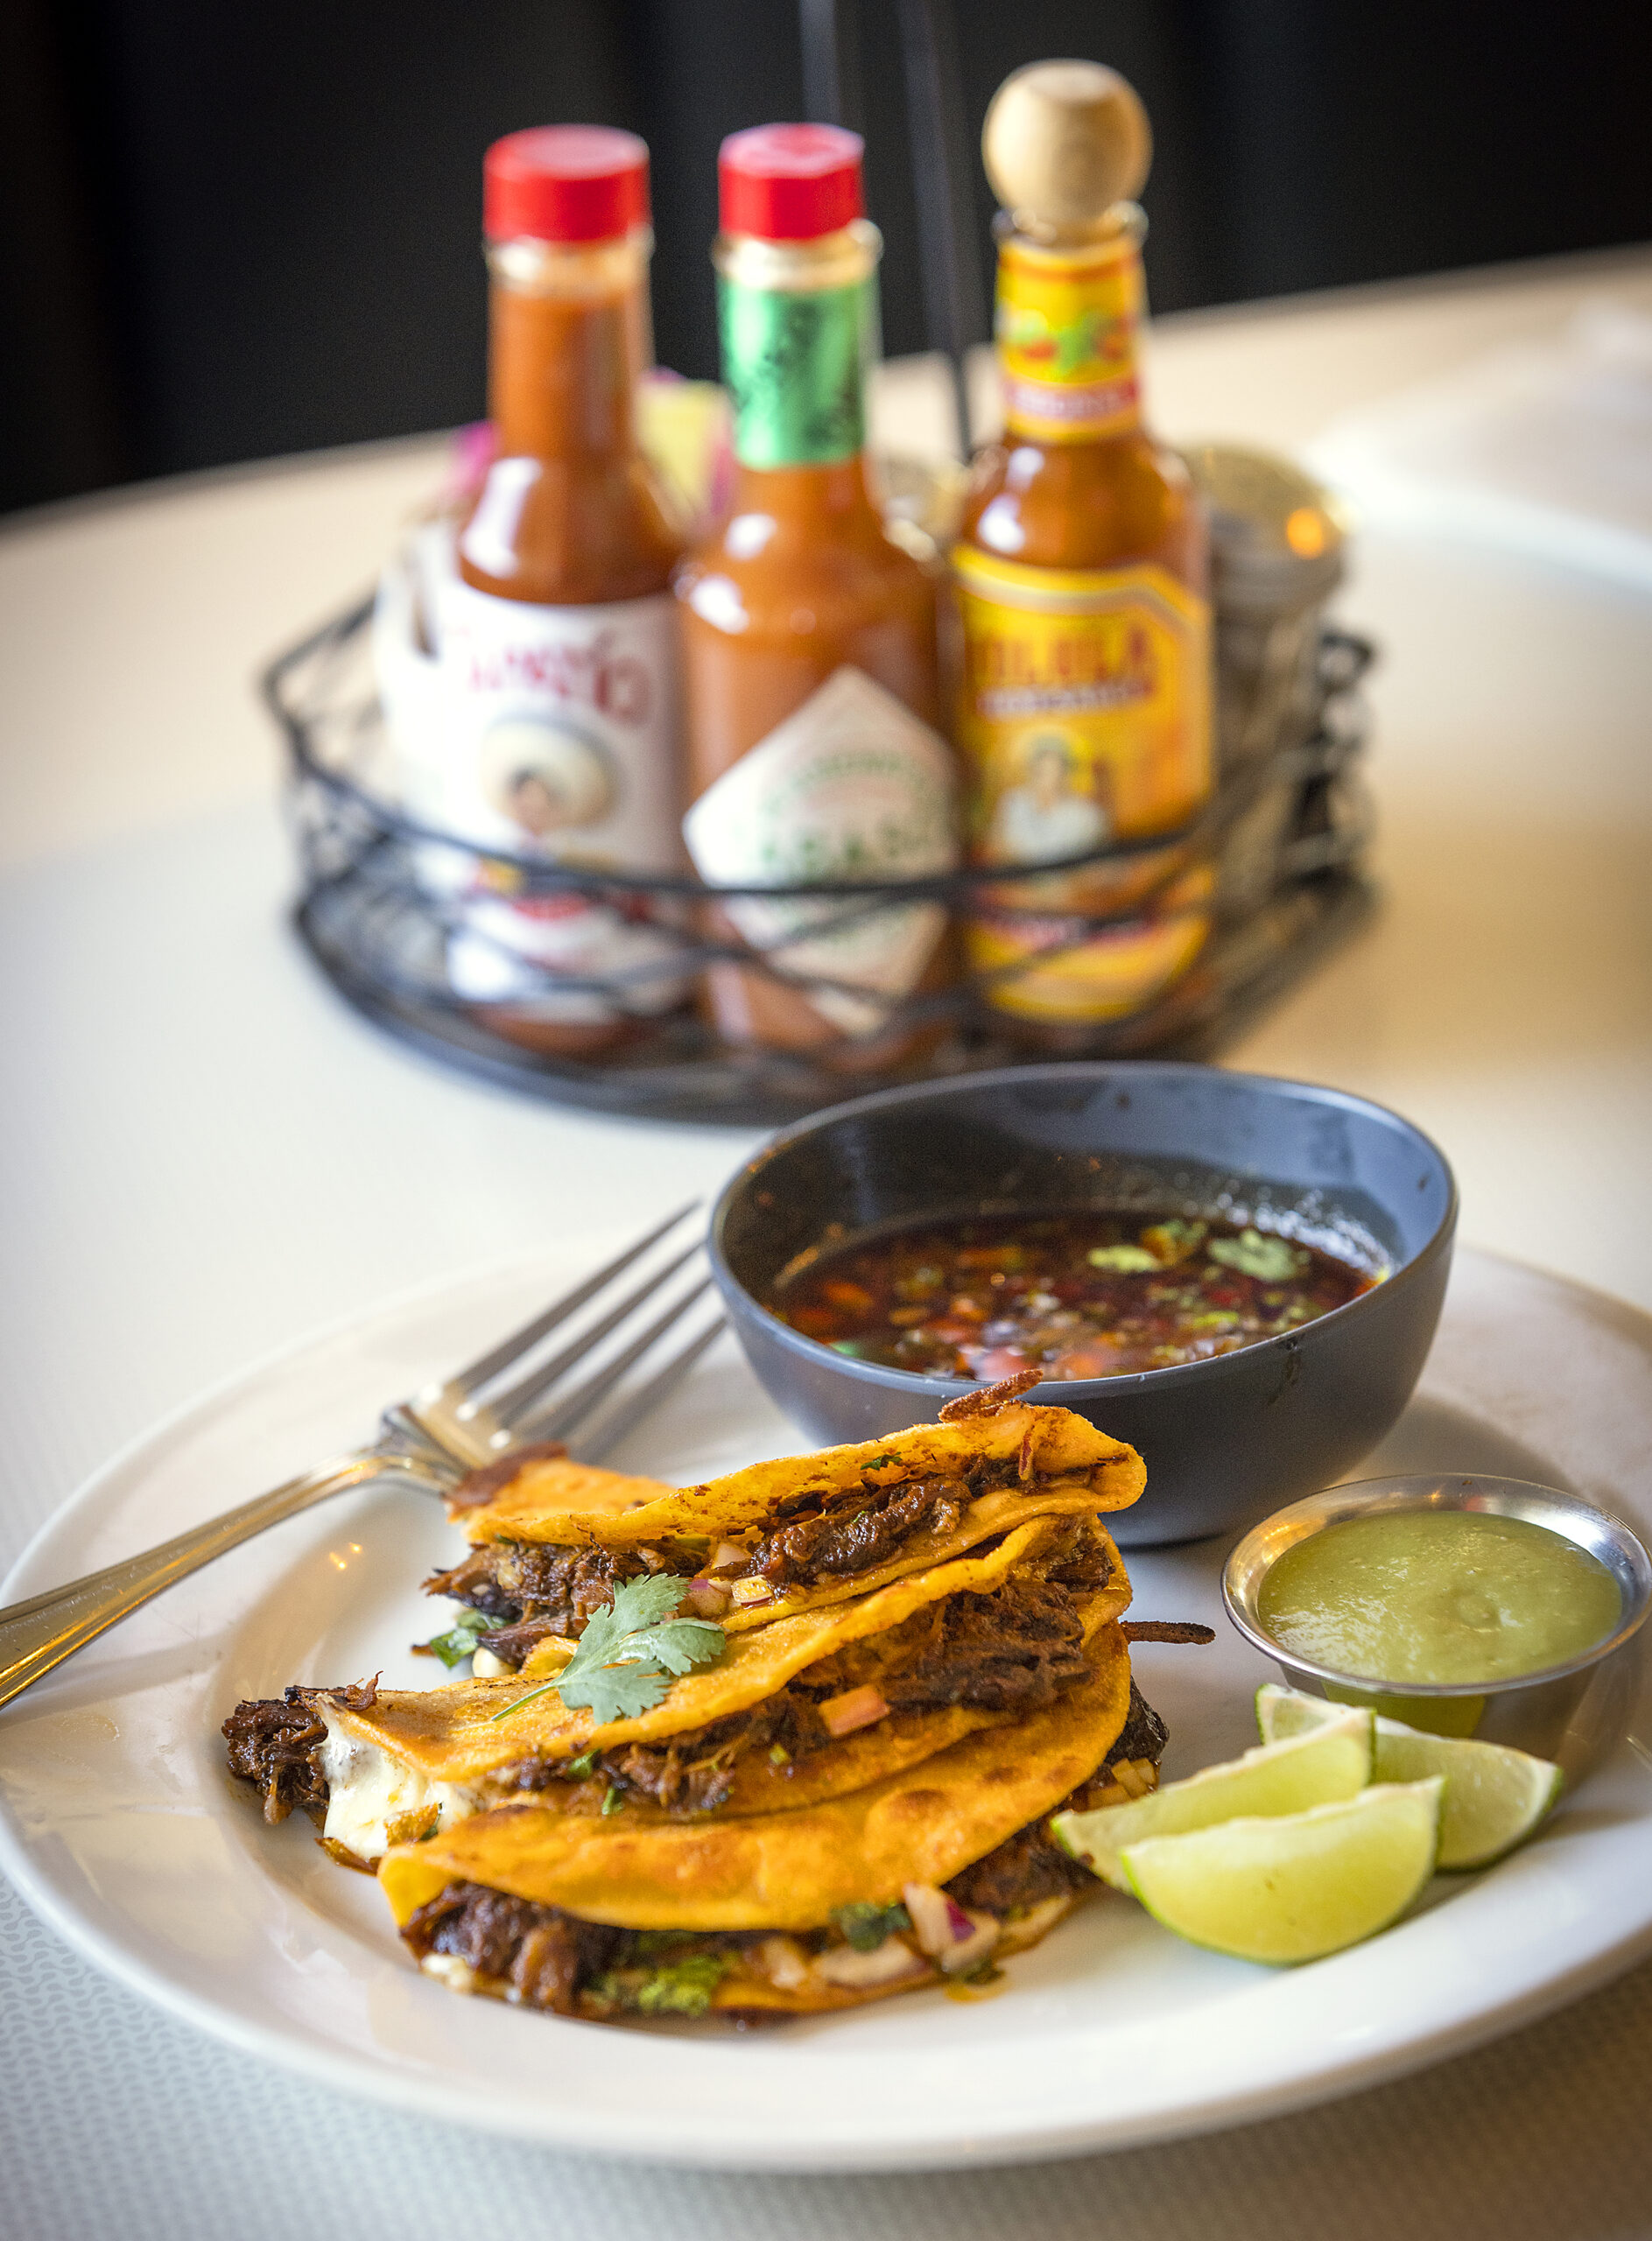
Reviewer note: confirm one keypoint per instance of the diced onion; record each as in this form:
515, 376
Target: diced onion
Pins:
752, 1591
708, 1596
1134, 1776
855, 1708
727, 1556
783, 1962
842, 1964
970, 1951
930, 1911
953, 1936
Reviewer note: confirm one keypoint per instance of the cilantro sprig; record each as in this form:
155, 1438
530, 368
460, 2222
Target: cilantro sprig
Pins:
867, 1925
630, 1653
1271, 1259
681, 1985
463, 1638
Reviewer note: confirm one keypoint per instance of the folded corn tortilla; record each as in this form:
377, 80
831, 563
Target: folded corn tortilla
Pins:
784, 1872
996, 1468
565, 1484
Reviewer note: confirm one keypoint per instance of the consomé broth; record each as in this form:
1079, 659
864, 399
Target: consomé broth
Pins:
1077, 1295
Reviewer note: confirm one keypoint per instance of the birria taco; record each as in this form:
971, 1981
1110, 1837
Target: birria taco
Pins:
789, 1535
785, 1742
789, 1715
933, 1872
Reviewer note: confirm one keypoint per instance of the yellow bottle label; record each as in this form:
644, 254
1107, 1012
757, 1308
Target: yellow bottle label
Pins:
1065, 327
1084, 718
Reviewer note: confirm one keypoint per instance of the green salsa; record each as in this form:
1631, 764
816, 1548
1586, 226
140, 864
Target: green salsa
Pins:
1437, 1596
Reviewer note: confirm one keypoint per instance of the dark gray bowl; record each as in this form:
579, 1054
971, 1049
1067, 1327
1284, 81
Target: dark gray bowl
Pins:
1225, 1440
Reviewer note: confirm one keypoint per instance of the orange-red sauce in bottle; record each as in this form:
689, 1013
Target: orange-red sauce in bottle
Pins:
809, 634
556, 631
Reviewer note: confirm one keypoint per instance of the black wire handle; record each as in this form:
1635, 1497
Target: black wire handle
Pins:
831, 62
954, 306
379, 925
937, 128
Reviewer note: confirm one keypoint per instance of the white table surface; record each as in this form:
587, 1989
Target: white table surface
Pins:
205, 1154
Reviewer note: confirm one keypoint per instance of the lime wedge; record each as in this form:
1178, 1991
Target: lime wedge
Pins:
1331, 1761
1458, 1716
1283, 1712
1297, 1887
1494, 1796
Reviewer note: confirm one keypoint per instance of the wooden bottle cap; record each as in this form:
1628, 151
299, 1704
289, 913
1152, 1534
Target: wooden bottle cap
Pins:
1064, 141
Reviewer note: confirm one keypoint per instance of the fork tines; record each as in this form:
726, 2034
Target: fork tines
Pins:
607, 1338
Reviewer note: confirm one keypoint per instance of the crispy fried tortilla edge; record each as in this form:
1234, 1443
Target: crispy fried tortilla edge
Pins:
1047, 1443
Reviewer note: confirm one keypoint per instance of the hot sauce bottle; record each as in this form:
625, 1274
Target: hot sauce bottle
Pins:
1084, 700
555, 628
809, 632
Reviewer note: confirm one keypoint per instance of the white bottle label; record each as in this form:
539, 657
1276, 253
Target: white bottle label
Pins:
851, 785
558, 739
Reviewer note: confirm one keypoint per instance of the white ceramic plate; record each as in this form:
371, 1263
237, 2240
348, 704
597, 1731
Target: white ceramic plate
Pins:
121, 1827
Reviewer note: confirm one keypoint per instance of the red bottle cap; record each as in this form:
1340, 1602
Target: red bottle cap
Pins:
789, 182
565, 183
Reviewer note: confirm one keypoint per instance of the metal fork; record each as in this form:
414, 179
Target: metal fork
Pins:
431, 1441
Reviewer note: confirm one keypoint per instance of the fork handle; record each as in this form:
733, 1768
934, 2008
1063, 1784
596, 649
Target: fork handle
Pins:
41, 1633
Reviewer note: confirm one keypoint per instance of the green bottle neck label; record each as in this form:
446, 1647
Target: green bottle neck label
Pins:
795, 362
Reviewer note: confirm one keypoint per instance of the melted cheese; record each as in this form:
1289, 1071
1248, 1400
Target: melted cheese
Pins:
375, 1802
449, 1969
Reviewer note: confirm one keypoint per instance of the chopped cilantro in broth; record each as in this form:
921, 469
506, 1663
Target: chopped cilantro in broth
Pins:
1082, 1295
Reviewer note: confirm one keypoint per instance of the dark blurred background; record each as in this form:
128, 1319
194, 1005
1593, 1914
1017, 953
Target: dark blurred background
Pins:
232, 232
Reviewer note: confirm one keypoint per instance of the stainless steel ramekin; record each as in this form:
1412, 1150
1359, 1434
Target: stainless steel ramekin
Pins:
1571, 1712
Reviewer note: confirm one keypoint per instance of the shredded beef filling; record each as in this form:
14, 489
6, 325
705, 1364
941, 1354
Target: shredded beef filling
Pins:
1015, 1650
1025, 1868
276, 1742
472, 1582
540, 1589
1012, 1650
513, 1646
858, 1532
823, 1533
693, 1772
1086, 1564
1144, 1734
541, 1955
556, 1590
